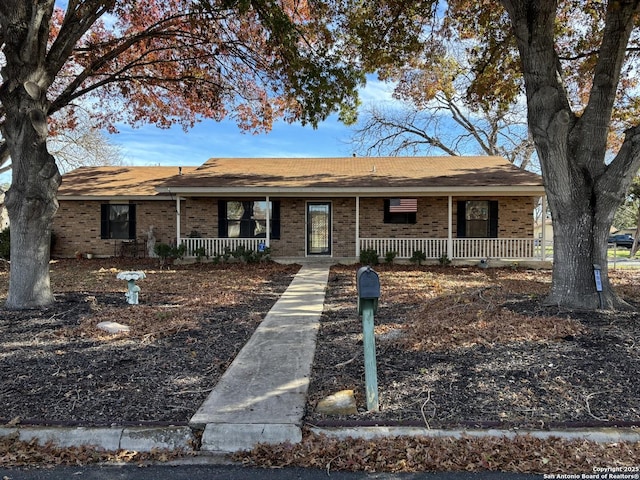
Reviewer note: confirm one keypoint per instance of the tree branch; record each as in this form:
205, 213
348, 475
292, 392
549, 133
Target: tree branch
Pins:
37, 33
619, 22
158, 30
78, 20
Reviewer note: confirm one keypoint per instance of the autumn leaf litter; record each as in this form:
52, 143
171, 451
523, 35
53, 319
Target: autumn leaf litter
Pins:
457, 348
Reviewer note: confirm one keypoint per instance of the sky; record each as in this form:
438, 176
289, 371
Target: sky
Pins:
149, 145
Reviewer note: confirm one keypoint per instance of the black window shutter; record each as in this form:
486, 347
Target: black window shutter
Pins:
222, 219
275, 221
387, 214
104, 221
132, 221
461, 219
493, 219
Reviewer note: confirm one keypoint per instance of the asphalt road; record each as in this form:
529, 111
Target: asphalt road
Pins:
228, 472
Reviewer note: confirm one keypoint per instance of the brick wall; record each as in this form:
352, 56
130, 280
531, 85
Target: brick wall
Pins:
292, 229
77, 223
344, 227
515, 217
77, 226
200, 215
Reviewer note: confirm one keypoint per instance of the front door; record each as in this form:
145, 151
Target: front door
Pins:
319, 228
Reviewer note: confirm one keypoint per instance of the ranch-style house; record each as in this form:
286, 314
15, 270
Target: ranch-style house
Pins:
300, 208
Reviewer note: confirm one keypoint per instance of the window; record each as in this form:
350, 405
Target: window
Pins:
477, 219
248, 219
118, 221
400, 210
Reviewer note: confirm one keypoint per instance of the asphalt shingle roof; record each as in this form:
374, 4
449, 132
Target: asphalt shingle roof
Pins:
116, 181
299, 174
356, 172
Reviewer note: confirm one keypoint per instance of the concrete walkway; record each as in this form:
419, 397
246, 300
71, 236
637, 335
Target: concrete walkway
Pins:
262, 395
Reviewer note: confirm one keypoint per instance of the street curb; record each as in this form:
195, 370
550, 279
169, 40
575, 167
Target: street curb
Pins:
229, 438
147, 439
599, 435
139, 439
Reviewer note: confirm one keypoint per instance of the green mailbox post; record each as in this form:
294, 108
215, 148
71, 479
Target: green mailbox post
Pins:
368, 286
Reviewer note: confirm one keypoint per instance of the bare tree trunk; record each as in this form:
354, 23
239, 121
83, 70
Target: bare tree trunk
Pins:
31, 199
580, 244
31, 203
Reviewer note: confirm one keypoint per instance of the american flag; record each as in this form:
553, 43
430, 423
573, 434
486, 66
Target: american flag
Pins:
403, 205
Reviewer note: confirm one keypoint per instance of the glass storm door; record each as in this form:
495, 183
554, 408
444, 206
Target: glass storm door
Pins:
318, 228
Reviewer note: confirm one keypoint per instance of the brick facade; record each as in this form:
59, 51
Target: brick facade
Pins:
200, 215
76, 226
77, 223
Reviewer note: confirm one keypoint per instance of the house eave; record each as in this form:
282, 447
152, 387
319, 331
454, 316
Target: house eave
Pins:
519, 190
108, 198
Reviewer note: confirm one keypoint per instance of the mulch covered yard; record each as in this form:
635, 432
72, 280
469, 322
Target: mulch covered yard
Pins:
457, 347
57, 367
466, 347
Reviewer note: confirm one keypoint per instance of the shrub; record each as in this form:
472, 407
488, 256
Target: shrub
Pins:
248, 255
165, 251
418, 257
264, 255
444, 260
242, 253
369, 257
178, 252
389, 257
199, 253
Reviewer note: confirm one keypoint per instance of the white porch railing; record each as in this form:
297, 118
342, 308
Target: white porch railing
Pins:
461, 247
404, 247
493, 248
217, 246
433, 248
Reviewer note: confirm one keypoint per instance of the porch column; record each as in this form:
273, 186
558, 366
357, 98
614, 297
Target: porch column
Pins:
450, 227
177, 221
543, 253
268, 218
357, 227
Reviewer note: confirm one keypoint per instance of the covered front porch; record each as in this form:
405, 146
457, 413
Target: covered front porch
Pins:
509, 248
